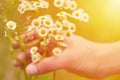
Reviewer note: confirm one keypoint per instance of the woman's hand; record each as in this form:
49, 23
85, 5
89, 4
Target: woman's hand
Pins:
81, 56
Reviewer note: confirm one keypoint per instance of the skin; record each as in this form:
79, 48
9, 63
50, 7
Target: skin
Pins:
81, 56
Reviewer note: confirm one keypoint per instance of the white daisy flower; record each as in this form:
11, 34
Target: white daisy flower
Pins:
27, 6
72, 5
50, 18
65, 6
68, 33
58, 25
53, 31
37, 4
36, 23
58, 3
59, 37
76, 14
85, 17
30, 28
44, 4
65, 22
57, 51
21, 9
62, 44
43, 32
33, 50
72, 27
11, 25
47, 23
42, 18
36, 57
62, 14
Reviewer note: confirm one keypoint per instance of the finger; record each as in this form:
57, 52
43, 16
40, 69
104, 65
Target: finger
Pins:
21, 57
46, 65
15, 45
52, 44
30, 36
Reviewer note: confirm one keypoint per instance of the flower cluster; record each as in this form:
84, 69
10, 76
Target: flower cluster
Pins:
32, 5
65, 4
46, 27
35, 54
78, 14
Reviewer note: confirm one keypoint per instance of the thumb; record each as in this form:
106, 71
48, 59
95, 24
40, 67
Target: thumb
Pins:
44, 66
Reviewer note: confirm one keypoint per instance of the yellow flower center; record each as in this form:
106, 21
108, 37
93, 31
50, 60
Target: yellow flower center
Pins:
58, 2
72, 5
58, 25
47, 22
37, 4
56, 52
68, 34
77, 14
26, 6
10, 26
36, 23
42, 31
54, 32
72, 28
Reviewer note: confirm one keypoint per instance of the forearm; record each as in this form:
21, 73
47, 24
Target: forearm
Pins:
109, 58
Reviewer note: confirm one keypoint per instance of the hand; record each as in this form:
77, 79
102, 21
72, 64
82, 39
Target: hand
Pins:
79, 57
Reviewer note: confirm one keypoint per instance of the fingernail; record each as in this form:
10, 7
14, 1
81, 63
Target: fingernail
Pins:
32, 69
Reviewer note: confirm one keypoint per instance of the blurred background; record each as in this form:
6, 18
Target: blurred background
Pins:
103, 27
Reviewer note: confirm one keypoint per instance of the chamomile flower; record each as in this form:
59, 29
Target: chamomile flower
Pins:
58, 3
30, 28
27, 6
68, 33
62, 44
33, 50
56, 51
44, 4
11, 25
53, 31
66, 3
21, 9
76, 14
65, 22
50, 18
62, 15
72, 27
36, 23
43, 32
85, 17
47, 23
37, 4
58, 25
36, 57
42, 18
59, 37
72, 5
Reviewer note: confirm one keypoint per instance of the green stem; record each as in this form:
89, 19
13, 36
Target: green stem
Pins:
49, 51
54, 75
25, 74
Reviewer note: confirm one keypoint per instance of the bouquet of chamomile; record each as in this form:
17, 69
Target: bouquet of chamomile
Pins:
43, 28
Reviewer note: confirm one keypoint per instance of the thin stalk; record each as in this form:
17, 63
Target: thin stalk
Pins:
54, 75
49, 51
25, 74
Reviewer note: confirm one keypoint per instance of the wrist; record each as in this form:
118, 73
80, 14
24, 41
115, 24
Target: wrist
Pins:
108, 59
